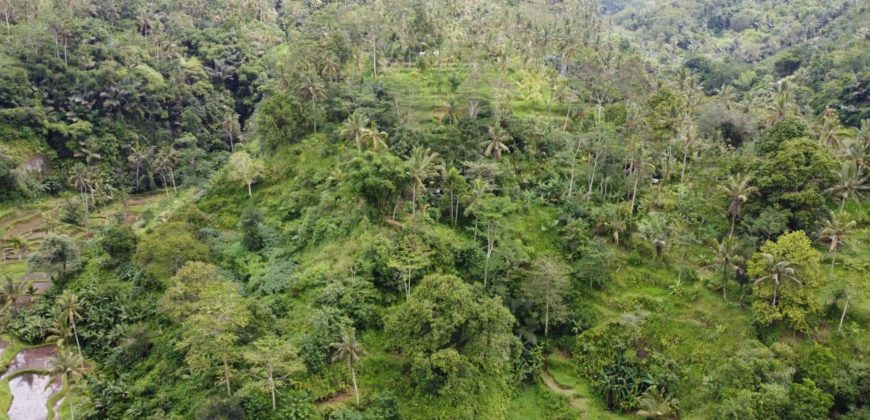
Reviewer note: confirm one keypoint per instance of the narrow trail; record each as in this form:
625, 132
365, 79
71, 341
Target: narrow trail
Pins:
577, 402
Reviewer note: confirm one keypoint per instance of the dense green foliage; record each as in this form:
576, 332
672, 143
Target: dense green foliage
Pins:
424, 209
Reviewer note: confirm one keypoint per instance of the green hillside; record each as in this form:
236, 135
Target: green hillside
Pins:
419, 209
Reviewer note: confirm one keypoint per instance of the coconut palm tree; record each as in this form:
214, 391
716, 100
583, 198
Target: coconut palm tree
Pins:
19, 245
845, 295
738, 190
495, 145
88, 149
351, 349
81, 179
68, 367
779, 271
354, 128
851, 182
311, 89
230, 125
11, 291
450, 111
375, 137
836, 232
59, 332
165, 163
727, 257
139, 156
70, 306
421, 166
830, 131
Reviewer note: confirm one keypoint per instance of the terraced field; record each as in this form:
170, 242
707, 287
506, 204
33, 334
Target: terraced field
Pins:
24, 227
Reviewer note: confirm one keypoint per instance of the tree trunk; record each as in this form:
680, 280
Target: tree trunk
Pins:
272, 388
227, 377
634, 191
249, 189
546, 319
414, 200
72, 411
833, 260
76, 333
843, 316
725, 283
592, 178
733, 221
490, 245
775, 287
683, 169
353, 377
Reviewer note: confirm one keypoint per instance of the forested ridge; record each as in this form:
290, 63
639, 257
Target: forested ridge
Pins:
384, 209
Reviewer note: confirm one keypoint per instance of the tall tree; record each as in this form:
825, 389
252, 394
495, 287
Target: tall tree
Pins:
70, 306
273, 362
836, 232
350, 349
212, 313
787, 278
422, 165
354, 128
68, 367
546, 286
727, 257
245, 169
850, 183
738, 190
496, 144
58, 256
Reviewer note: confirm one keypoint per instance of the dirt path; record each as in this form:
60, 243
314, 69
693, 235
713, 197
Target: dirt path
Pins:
334, 400
578, 403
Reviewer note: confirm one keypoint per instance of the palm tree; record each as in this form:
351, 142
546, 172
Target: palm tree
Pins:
230, 125
68, 367
830, 130
726, 95
70, 306
354, 128
779, 271
421, 166
11, 291
139, 156
727, 256
59, 332
738, 190
165, 163
656, 404
850, 183
845, 295
450, 111
495, 145
311, 89
476, 190
18, 244
836, 232
81, 179
375, 137
88, 149
351, 349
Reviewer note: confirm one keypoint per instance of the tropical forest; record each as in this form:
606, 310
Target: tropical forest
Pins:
434, 209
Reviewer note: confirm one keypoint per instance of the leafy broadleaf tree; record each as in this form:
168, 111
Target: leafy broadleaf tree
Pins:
245, 169
786, 276
274, 361
546, 286
212, 313
457, 345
